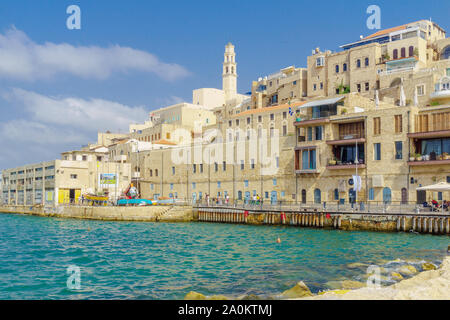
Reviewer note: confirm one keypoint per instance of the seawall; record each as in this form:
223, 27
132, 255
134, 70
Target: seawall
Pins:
432, 223
138, 214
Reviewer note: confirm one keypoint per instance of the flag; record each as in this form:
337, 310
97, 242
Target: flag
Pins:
291, 113
357, 184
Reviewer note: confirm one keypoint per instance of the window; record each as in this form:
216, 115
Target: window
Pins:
448, 179
398, 123
237, 122
219, 184
310, 129
336, 194
398, 150
248, 120
246, 183
309, 159
387, 195
73, 176
284, 130
201, 167
156, 172
321, 85
319, 131
194, 168
403, 53
411, 51
366, 62
344, 67
315, 87
358, 63
259, 118
171, 186
216, 166
224, 166
358, 87
395, 54
320, 61
377, 151
173, 170
84, 158
152, 186
337, 68
377, 125
230, 123
420, 90
274, 182
277, 160
252, 161
266, 195
242, 165
194, 185
151, 172
272, 116
371, 194
367, 86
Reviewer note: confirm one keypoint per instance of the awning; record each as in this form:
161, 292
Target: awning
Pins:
441, 186
323, 102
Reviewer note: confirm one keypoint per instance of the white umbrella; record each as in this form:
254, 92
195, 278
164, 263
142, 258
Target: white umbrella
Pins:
402, 96
439, 187
416, 98
377, 99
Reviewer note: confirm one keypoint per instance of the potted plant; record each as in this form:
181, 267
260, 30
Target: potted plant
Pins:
418, 157
412, 157
445, 156
332, 162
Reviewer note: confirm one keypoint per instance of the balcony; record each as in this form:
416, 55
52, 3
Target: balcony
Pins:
346, 140
429, 159
309, 120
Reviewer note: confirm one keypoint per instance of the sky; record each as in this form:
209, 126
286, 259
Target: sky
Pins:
59, 87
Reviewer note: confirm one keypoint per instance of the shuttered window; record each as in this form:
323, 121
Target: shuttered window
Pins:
376, 125
398, 123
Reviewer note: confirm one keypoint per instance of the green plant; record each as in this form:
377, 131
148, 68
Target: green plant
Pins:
435, 103
416, 52
343, 111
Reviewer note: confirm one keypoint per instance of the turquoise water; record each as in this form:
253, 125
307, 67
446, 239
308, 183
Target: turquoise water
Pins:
121, 260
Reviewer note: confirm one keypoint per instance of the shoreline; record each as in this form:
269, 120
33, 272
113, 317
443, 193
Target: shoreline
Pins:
425, 285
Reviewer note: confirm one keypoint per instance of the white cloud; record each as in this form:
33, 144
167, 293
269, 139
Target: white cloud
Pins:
55, 124
21, 58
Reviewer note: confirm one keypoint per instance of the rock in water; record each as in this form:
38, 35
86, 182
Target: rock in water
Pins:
349, 284
407, 270
396, 276
357, 265
300, 290
428, 266
194, 296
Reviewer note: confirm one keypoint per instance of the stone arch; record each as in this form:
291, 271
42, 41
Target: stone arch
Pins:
446, 53
396, 82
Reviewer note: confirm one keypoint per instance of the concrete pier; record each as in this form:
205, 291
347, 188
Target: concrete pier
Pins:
386, 222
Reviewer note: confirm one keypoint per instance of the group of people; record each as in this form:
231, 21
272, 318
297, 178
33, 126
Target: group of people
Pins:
435, 206
217, 200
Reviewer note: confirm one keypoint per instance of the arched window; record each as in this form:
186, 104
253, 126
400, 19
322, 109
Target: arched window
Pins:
387, 195
403, 52
336, 194
404, 196
317, 196
232, 69
446, 53
151, 172
303, 196
358, 63
411, 51
156, 172
226, 70
239, 195
395, 55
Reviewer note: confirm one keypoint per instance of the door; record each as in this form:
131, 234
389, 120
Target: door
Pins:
72, 195
351, 196
194, 197
247, 197
404, 196
387, 195
273, 198
317, 196
63, 196
304, 196
421, 196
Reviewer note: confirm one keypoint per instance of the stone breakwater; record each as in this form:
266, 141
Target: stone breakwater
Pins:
137, 214
427, 285
432, 283
386, 222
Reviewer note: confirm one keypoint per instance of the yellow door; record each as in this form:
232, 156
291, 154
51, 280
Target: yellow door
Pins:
63, 196
77, 195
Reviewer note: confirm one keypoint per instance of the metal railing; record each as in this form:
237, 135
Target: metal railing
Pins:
332, 206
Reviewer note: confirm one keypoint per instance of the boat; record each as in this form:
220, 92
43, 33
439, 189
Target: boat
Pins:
134, 202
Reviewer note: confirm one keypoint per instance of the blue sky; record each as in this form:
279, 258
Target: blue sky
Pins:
57, 88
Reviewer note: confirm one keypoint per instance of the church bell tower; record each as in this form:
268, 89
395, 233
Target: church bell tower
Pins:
229, 75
